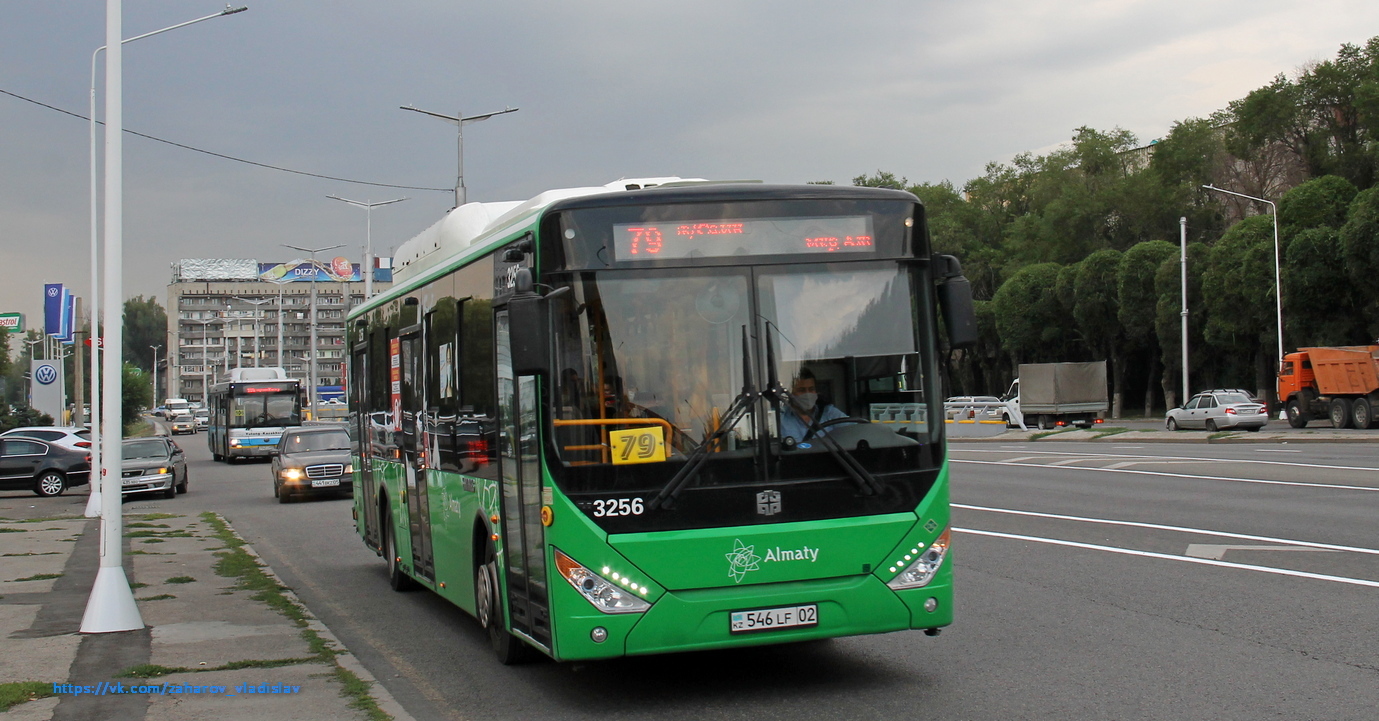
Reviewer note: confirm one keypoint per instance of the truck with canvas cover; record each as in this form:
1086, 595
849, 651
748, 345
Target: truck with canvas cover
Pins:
1340, 383
1051, 395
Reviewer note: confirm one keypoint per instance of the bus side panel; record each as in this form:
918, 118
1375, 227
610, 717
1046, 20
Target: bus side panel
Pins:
455, 508
392, 484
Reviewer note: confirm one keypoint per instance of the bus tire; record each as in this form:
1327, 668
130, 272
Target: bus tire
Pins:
397, 578
488, 608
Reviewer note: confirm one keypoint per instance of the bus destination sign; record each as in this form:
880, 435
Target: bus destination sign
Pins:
634, 242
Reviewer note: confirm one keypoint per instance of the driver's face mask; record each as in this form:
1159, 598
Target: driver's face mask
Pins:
805, 401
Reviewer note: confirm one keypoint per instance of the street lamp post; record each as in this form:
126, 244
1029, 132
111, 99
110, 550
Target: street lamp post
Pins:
96, 349
1278, 284
311, 320
368, 236
459, 121
1182, 245
256, 304
155, 373
205, 358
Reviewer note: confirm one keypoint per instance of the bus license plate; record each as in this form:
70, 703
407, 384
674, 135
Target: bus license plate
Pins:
768, 619
324, 482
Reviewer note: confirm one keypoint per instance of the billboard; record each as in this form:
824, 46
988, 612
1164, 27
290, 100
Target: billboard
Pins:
338, 270
13, 322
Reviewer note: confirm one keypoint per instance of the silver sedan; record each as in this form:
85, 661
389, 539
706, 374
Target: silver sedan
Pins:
1218, 410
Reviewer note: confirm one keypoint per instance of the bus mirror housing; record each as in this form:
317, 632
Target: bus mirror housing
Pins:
955, 302
529, 326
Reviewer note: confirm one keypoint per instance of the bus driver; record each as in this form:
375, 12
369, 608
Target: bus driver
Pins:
804, 410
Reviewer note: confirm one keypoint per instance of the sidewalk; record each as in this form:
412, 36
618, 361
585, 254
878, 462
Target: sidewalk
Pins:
223, 637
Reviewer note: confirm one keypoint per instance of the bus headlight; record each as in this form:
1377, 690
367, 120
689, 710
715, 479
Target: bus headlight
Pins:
598, 590
919, 573
292, 474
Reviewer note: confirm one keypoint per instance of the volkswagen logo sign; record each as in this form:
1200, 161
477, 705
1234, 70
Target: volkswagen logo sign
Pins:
45, 374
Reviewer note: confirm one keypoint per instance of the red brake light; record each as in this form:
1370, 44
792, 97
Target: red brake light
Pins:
83, 444
1230, 411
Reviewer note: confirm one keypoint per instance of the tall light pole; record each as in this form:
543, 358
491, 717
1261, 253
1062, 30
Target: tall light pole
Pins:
96, 346
155, 373
311, 319
459, 121
368, 236
1278, 283
1182, 244
256, 304
205, 358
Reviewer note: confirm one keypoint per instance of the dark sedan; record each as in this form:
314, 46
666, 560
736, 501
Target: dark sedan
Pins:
312, 459
154, 465
42, 467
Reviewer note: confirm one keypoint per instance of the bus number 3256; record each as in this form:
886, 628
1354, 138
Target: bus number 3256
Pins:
618, 507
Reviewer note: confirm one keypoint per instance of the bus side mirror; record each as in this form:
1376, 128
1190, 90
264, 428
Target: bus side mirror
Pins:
529, 326
955, 302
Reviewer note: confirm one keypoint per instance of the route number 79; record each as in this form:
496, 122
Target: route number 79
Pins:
638, 445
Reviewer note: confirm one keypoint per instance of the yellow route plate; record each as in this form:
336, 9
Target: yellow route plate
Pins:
638, 445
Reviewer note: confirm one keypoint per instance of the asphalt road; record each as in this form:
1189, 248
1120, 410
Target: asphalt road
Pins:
1095, 581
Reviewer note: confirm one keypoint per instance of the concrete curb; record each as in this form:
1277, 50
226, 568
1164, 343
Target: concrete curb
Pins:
343, 657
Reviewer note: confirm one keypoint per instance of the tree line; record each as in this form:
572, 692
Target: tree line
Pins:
1075, 255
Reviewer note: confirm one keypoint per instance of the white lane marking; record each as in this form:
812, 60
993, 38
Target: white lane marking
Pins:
1218, 550
1260, 481
1162, 527
1058, 454
1127, 448
1274, 450
1180, 559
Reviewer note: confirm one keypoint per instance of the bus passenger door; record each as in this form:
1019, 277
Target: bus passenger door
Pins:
364, 444
413, 447
524, 537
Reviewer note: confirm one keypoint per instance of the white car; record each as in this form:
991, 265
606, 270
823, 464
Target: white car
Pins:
69, 437
1216, 410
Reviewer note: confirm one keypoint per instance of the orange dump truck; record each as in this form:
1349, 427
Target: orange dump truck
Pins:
1337, 383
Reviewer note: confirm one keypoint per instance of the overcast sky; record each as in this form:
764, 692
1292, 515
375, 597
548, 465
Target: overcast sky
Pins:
778, 91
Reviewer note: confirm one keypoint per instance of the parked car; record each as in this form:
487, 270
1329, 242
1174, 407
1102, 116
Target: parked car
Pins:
154, 465
74, 438
1216, 410
183, 423
312, 459
43, 467
202, 418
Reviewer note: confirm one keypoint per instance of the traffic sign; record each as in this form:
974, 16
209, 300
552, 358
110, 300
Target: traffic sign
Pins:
100, 342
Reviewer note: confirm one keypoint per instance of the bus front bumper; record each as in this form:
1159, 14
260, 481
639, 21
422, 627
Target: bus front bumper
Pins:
700, 619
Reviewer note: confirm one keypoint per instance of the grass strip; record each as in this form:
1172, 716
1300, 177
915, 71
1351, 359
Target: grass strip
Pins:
15, 693
153, 670
235, 562
38, 577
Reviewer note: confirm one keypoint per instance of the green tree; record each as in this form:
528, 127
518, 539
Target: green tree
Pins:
145, 325
1029, 318
1360, 248
881, 179
1138, 304
1168, 320
1322, 308
136, 392
1318, 203
1238, 292
1096, 307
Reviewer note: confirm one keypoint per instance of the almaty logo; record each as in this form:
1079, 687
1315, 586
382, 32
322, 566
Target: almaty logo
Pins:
742, 559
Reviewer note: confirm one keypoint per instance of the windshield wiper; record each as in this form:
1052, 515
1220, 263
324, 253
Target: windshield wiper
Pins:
776, 395
741, 405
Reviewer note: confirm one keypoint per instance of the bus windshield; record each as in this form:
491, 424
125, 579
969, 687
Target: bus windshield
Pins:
265, 410
833, 375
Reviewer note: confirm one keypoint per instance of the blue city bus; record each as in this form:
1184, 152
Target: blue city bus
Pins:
250, 410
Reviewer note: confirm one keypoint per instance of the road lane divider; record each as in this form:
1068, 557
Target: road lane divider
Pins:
1179, 529
1068, 454
1168, 557
1260, 481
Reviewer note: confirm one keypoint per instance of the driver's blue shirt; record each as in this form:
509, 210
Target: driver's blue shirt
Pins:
791, 424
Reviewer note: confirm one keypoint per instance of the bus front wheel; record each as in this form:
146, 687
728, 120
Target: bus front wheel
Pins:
397, 578
488, 608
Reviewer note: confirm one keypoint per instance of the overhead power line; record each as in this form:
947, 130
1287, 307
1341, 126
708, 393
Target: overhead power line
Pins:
228, 157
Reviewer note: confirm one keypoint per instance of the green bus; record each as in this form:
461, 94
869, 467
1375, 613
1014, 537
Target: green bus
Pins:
663, 415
